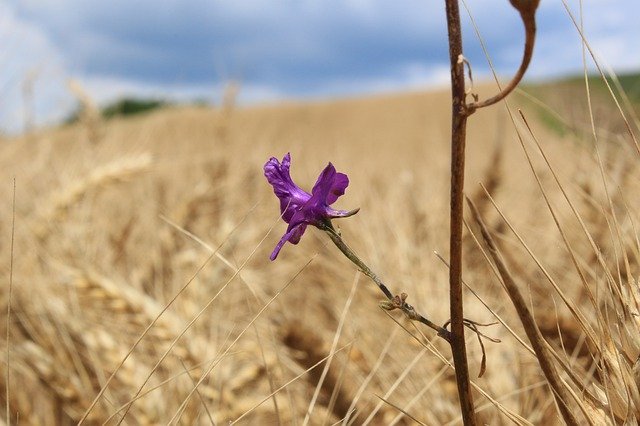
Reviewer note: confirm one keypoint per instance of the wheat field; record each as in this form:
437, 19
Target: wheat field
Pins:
147, 240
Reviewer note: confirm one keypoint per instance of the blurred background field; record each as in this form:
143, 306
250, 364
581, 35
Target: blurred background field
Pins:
135, 274
113, 217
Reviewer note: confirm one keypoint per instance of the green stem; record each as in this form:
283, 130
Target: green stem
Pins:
346, 250
394, 302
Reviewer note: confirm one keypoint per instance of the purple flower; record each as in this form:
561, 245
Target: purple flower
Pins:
298, 207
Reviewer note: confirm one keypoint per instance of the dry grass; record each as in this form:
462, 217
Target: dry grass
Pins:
97, 260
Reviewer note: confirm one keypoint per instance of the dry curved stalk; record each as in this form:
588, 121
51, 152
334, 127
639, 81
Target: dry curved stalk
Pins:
561, 393
527, 9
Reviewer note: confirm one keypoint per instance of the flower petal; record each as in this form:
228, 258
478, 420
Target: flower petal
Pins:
287, 209
291, 196
276, 250
323, 185
297, 233
278, 175
302, 216
340, 183
292, 235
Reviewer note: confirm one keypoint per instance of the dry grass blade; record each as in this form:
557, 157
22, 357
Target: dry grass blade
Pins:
575, 312
604, 79
117, 171
152, 324
334, 345
10, 292
193, 320
211, 393
379, 362
591, 335
419, 395
231, 345
288, 383
625, 97
267, 368
202, 400
400, 409
395, 385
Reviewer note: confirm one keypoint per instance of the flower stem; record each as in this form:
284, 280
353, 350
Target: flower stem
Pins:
346, 250
393, 302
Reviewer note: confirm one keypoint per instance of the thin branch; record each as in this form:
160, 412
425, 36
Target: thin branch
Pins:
527, 9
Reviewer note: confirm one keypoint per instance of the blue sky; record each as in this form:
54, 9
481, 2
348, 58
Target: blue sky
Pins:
277, 49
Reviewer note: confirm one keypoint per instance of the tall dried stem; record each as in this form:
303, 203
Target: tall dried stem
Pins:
459, 114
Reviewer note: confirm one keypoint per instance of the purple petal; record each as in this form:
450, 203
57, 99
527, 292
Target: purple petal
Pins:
276, 250
290, 195
301, 216
323, 185
293, 235
297, 233
278, 175
340, 183
287, 209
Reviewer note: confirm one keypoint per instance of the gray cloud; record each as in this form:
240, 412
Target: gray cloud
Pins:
288, 44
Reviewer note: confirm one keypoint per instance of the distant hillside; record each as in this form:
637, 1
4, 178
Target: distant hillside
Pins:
124, 107
131, 106
629, 83
567, 97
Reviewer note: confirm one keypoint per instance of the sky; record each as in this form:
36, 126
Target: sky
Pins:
185, 50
